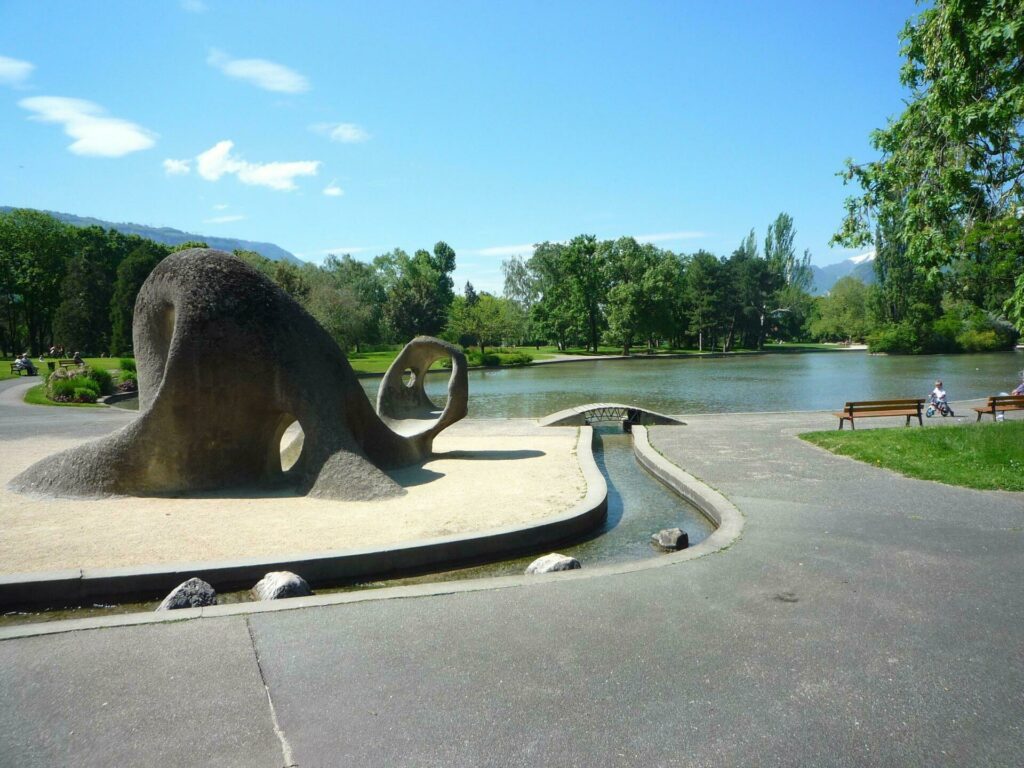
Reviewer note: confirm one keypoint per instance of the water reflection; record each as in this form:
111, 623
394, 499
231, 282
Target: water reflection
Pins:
770, 382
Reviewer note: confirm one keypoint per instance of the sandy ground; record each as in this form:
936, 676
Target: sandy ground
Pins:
483, 476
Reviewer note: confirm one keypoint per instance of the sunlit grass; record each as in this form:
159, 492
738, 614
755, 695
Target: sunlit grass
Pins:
983, 456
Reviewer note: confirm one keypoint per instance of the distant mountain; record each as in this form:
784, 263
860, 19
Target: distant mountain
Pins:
861, 267
169, 236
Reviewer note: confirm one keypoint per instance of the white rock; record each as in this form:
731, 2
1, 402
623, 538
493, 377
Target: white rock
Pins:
553, 562
277, 585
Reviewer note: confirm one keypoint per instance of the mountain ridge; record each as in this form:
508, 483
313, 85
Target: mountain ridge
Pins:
172, 236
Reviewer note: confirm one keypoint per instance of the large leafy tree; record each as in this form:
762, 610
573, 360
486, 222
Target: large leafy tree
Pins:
34, 251
131, 274
419, 290
954, 159
553, 311
82, 321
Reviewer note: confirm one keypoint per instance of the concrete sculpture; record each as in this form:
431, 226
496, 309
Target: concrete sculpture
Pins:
226, 363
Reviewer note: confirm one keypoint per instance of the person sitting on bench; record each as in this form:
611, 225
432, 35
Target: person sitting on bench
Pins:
23, 363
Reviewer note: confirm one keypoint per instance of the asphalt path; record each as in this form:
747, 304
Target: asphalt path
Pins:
862, 619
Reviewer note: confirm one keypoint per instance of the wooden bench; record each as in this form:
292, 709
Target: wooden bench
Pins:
999, 403
863, 409
69, 363
17, 370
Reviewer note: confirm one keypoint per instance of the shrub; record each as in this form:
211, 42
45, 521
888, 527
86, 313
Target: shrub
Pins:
104, 381
128, 383
84, 395
127, 364
516, 359
60, 390
978, 341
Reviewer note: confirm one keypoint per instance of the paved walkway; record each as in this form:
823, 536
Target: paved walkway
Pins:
862, 619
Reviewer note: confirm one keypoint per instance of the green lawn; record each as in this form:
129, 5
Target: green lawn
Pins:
37, 396
983, 456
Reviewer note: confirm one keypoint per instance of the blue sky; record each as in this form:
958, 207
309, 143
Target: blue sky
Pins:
340, 127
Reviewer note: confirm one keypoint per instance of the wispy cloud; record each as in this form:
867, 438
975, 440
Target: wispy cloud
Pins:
94, 132
333, 190
268, 75
221, 207
14, 71
174, 167
193, 6
664, 237
224, 219
346, 133
218, 161
525, 249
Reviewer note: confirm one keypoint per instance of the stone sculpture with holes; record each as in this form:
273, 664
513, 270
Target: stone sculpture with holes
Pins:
227, 361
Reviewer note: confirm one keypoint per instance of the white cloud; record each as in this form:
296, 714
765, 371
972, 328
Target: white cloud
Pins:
94, 132
221, 207
224, 219
174, 167
14, 71
218, 161
264, 74
505, 250
193, 6
333, 190
662, 237
346, 133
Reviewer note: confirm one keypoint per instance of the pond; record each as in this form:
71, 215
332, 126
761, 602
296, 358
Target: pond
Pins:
741, 383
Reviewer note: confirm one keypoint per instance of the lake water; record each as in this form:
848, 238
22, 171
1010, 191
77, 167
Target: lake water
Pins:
742, 383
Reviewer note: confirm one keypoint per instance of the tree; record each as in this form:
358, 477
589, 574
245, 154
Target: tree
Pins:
34, 251
419, 290
842, 314
82, 320
482, 319
702, 285
954, 159
131, 274
553, 311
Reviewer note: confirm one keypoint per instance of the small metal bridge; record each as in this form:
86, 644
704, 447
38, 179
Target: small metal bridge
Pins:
594, 413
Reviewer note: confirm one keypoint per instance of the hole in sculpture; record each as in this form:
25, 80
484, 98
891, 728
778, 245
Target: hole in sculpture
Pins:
291, 445
409, 378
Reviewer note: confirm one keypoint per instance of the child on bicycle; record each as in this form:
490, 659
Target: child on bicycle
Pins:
938, 398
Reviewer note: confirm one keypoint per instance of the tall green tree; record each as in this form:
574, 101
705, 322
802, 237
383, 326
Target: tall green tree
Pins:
553, 311
82, 320
842, 313
419, 290
954, 158
702, 287
585, 267
131, 274
34, 251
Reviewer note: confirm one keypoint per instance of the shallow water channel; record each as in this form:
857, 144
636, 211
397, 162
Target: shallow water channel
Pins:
638, 506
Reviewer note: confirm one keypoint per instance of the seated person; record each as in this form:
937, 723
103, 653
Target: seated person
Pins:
1019, 389
23, 363
78, 358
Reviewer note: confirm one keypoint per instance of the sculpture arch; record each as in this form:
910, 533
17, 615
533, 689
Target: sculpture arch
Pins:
226, 361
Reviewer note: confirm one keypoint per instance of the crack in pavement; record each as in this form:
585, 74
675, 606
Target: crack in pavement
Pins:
286, 748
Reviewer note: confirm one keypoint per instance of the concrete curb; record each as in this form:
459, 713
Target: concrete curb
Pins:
710, 502
87, 586
722, 513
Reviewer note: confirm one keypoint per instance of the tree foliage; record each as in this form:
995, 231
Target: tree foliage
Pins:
953, 160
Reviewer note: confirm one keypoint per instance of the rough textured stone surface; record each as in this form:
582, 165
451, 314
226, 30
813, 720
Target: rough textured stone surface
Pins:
277, 585
226, 362
189, 594
671, 539
404, 405
553, 562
